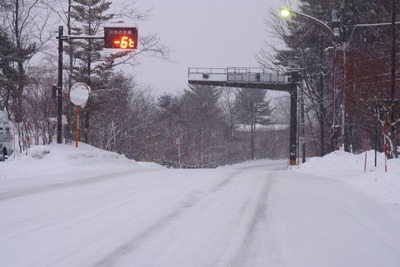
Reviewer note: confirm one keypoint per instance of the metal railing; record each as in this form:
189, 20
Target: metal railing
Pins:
237, 75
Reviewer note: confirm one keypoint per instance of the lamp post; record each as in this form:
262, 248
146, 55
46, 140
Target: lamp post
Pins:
335, 35
59, 85
286, 12
393, 77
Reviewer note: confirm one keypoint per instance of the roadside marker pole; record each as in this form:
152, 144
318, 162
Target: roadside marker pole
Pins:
365, 161
77, 108
385, 144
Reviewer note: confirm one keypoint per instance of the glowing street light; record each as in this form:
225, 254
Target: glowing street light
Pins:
286, 12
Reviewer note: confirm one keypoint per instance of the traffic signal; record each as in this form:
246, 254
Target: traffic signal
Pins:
120, 37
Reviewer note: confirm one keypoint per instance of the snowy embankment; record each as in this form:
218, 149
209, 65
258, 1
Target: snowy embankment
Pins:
360, 172
43, 165
28, 169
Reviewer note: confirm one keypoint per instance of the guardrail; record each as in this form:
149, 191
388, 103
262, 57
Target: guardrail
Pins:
237, 75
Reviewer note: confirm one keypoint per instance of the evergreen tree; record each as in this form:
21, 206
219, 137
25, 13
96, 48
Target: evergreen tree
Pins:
12, 75
202, 120
8, 74
18, 41
170, 112
90, 66
169, 119
253, 108
94, 65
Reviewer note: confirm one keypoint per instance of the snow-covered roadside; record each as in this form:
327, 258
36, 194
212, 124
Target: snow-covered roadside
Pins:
43, 165
57, 160
350, 168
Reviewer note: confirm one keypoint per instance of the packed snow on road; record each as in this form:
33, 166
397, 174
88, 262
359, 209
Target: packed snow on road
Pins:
67, 206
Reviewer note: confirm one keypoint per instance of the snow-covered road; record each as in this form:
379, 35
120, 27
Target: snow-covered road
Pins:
235, 216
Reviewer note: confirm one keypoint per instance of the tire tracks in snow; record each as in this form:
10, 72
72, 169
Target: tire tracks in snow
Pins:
76, 183
189, 201
259, 217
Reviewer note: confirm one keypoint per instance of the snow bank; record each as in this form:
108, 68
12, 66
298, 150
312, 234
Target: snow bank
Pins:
350, 168
49, 164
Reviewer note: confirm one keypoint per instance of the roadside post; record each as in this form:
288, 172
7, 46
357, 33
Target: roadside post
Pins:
122, 38
79, 95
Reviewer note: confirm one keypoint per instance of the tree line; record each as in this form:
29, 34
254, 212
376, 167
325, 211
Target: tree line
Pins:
217, 125
345, 97
220, 126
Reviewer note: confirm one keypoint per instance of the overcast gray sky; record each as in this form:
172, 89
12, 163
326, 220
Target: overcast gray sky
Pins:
206, 33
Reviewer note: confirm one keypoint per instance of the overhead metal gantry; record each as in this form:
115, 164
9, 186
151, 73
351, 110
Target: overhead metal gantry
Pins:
256, 78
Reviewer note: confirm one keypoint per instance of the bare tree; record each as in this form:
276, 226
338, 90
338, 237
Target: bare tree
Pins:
25, 23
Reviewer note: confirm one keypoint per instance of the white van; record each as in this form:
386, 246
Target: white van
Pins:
6, 138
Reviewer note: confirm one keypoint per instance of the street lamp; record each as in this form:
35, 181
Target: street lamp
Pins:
286, 12
336, 34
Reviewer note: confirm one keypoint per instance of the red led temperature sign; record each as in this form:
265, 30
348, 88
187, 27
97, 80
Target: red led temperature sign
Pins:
120, 37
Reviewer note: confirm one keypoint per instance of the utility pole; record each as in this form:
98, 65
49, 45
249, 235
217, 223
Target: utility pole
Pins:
293, 117
345, 132
321, 89
393, 79
59, 84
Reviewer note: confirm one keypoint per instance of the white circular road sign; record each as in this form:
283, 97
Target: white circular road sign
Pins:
178, 141
79, 93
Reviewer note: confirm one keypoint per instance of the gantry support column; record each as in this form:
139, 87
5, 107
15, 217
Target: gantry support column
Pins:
293, 124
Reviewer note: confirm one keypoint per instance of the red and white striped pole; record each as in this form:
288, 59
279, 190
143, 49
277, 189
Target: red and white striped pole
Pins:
385, 144
77, 109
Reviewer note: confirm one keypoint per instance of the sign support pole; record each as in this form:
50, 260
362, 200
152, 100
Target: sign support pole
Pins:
77, 109
179, 156
130, 43
293, 124
59, 84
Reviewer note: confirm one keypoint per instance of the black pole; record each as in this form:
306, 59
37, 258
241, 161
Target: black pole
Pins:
393, 78
322, 110
393, 55
321, 104
303, 132
293, 119
59, 85
376, 138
